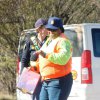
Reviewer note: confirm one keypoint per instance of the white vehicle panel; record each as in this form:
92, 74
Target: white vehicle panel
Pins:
85, 91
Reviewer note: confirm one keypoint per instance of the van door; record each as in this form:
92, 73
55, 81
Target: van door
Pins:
75, 35
92, 37
24, 34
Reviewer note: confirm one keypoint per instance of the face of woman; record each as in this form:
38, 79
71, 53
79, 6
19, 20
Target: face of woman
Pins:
42, 32
53, 33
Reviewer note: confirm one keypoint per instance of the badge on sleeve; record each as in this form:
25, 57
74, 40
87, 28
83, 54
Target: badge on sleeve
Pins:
32, 47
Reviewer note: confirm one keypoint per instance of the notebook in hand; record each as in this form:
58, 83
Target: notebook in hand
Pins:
28, 81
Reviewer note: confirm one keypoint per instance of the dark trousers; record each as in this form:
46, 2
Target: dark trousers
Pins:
37, 91
56, 89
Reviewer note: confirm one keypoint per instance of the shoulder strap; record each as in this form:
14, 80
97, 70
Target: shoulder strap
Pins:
35, 42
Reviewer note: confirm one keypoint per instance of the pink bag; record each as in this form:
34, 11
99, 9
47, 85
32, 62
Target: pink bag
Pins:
28, 81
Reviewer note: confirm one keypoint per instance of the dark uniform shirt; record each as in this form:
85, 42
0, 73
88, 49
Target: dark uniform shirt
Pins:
29, 51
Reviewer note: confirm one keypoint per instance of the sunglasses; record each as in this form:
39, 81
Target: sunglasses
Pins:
52, 30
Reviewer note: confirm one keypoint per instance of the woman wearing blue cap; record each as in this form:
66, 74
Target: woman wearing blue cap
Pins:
55, 59
32, 45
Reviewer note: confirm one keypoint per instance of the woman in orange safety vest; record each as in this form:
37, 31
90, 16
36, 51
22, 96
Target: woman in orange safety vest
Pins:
55, 59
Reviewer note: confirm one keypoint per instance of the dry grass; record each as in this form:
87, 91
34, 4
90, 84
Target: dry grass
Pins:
7, 97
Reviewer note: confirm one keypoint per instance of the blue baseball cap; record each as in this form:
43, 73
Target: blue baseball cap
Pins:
40, 22
54, 23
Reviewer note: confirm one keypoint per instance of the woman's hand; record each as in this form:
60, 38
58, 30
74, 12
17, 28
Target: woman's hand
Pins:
42, 53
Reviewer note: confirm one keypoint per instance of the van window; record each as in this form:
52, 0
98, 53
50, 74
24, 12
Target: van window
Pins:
23, 37
96, 42
21, 45
76, 40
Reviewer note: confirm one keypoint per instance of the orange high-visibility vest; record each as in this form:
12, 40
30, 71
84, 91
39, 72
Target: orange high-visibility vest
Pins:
49, 70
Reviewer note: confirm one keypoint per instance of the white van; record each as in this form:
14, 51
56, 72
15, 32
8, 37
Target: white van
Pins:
85, 39
86, 60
